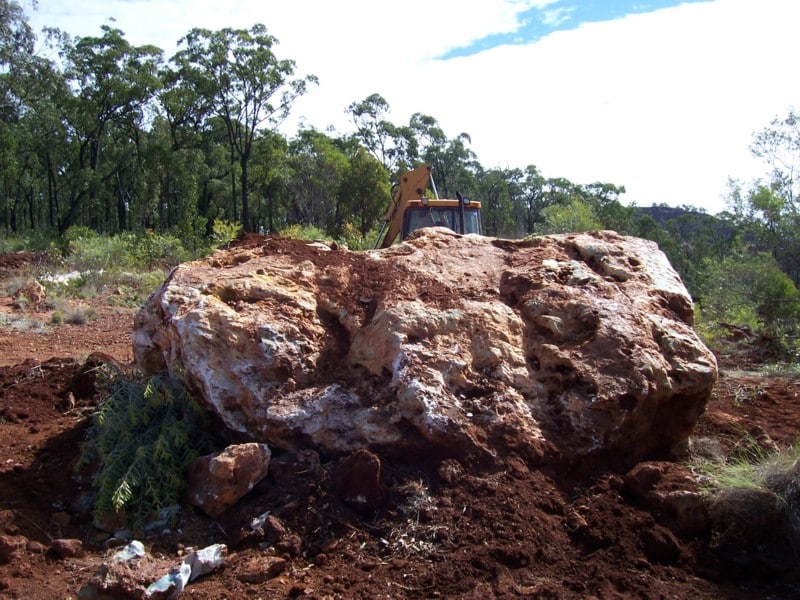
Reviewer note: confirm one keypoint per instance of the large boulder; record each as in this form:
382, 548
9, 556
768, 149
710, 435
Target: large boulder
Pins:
567, 346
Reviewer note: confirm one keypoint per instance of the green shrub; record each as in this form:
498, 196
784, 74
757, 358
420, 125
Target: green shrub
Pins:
304, 232
143, 437
87, 251
748, 290
352, 238
153, 250
224, 232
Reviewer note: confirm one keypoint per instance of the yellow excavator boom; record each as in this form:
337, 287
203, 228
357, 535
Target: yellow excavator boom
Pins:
412, 186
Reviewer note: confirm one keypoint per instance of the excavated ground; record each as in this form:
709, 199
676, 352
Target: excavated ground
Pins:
445, 531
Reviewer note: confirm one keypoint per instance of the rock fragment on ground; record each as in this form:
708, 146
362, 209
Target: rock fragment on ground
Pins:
218, 481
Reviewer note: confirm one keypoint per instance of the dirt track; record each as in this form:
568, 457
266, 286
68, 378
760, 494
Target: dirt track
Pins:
445, 531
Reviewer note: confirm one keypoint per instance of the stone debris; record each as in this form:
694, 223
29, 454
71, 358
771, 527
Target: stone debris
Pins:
128, 573
218, 481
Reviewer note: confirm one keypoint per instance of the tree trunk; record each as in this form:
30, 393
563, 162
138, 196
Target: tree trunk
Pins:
245, 191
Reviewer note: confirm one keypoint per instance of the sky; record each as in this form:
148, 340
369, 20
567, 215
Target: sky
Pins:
659, 96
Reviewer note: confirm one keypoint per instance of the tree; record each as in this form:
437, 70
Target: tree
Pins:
316, 169
768, 208
393, 146
496, 190
749, 289
533, 198
779, 146
245, 84
363, 193
450, 159
114, 83
16, 51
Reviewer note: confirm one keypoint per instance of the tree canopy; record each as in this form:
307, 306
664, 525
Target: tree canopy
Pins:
117, 138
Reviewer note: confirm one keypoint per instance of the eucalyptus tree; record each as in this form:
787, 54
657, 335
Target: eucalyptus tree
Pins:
21, 87
16, 51
603, 198
364, 192
453, 163
394, 146
113, 84
497, 190
533, 196
769, 207
240, 79
268, 177
316, 167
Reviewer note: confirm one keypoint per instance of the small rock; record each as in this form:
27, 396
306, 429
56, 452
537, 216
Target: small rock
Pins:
450, 471
660, 545
66, 548
261, 569
11, 547
642, 479
290, 544
358, 481
274, 529
218, 481
133, 550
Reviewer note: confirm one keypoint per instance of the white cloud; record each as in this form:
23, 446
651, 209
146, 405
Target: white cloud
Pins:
664, 103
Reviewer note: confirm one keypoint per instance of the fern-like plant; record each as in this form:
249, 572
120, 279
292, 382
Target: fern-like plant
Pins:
143, 436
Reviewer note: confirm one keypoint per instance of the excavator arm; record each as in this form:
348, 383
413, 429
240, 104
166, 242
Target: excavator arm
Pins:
412, 186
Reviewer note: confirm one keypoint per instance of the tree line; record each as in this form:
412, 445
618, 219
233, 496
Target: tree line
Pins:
101, 134
117, 137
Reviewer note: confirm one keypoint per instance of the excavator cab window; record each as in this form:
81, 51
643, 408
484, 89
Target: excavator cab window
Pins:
427, 216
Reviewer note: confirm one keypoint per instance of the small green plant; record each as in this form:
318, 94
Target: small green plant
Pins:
304, 232
143, 437
224, 232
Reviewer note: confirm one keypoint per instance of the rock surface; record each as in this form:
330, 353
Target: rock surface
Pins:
567, 347
218, 481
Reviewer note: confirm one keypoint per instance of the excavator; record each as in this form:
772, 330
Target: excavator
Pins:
411, 209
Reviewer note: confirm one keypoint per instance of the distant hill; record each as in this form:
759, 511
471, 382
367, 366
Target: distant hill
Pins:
687, 222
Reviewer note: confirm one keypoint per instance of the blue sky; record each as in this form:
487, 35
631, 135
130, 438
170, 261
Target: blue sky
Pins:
538, 21
659, 97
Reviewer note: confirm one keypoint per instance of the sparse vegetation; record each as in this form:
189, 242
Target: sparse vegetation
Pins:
754, 502
22, 323
80, 315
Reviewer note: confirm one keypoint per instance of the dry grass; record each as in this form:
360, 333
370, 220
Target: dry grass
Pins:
754, 503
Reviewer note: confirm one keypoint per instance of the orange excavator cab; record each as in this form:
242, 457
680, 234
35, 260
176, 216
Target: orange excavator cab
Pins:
411, 209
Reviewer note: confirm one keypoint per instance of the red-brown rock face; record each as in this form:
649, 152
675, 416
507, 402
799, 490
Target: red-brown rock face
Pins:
574, 346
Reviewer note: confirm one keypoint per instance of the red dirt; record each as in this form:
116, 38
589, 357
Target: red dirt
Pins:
445, 530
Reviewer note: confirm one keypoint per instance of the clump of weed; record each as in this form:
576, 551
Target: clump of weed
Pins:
754, 506
80, 315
